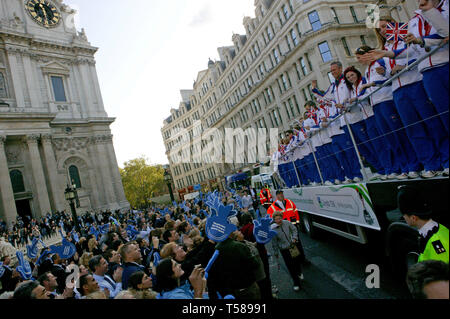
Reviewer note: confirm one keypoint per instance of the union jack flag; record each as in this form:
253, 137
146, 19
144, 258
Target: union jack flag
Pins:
396, 31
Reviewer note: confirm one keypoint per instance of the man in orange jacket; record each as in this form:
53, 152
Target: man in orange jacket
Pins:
286, 206
265, 197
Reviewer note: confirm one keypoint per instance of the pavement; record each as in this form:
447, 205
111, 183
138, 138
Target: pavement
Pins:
337, 271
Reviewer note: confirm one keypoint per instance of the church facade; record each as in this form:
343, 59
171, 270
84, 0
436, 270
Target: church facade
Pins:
54, 129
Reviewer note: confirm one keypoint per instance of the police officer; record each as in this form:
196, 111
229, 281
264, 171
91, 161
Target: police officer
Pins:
434, 237
290, 213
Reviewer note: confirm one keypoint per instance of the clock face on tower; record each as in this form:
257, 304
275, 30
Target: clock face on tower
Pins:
43, 12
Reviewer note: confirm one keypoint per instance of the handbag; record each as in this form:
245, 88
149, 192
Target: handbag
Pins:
293, 249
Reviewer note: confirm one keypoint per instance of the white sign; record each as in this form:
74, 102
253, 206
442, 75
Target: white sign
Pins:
345, 203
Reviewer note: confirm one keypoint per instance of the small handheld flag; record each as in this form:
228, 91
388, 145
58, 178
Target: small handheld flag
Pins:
396, 31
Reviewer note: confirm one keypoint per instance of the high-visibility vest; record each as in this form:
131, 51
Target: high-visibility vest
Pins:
289, 212
436, 247
264, 199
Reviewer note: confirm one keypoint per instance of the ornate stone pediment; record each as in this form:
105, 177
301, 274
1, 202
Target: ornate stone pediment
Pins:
70, 144
55, 67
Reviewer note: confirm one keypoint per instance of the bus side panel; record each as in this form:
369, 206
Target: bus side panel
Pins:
346, 203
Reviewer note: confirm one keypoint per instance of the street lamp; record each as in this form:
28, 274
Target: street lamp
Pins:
71, 196
168, 180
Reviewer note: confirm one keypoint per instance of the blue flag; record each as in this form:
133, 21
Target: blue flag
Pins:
32, 250
24, 268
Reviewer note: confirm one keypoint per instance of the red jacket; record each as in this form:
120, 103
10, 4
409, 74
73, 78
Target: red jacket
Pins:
265, 198
289, 212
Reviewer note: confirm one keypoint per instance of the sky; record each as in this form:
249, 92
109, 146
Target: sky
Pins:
149, 50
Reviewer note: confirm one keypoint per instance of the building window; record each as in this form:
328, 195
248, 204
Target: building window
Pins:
314, 20
291, 107
2, 86
363, 40
304, 69
294, 37
325, 51
304, 95
283, 79
18, 185
297, 70
276, 117
58, 89
276, 56
287, 110
333, 11
279, 18
269, 33
355, 18
287, 15
309, 62
75, 176
331, 78
347, 50
297, 106
288, 44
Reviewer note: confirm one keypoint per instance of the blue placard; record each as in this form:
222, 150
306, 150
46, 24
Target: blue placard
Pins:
262, 230
218, 227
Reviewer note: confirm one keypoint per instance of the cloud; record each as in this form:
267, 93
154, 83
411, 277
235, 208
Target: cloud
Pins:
202, 17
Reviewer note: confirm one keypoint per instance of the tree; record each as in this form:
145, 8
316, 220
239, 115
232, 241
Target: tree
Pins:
141, 181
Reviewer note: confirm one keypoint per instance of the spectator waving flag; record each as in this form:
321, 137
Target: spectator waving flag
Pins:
24, 268
396, 31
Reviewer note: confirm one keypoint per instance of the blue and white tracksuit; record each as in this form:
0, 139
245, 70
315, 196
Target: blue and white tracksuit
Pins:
403, 156
304, 160
423, 125
341, 141
435, 69
363, 124
334, 170
312, 129
376, 143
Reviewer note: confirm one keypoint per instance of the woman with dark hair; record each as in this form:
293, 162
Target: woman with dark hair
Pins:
361, 128
168, 274
139, 284
387, 118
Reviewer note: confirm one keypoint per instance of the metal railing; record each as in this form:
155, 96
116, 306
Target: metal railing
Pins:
348, 109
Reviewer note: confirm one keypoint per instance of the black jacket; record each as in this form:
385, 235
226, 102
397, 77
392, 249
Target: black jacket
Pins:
233, 269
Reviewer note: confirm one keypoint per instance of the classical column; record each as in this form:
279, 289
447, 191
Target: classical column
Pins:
56, 188
118, 186
31, 81
97, 186
107, 181
38, 174
17, 81
85, 83
6, 190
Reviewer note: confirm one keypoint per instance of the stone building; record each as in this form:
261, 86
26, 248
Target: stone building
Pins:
54, 129
263, 80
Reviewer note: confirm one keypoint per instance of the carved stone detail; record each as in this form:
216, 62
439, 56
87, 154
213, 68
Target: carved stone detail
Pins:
71, 143
32, 138
46, 138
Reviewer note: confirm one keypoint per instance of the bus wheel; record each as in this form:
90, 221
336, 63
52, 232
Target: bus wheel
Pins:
308, 225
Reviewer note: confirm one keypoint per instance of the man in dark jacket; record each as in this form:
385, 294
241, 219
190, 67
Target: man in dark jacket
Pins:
233, 273
59, 271
131, 257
